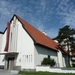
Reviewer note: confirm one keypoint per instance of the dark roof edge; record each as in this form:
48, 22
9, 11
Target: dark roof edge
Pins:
22, 26
12, 17
29, 33
4, 31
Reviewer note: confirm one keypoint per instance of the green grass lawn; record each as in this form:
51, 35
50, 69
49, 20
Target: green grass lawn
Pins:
43, 73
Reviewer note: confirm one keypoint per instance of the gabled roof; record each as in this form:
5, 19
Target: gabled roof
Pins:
37, 36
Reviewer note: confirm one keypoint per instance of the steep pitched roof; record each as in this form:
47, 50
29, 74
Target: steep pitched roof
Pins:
38, 36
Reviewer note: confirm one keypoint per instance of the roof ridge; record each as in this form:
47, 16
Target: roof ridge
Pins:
38, 36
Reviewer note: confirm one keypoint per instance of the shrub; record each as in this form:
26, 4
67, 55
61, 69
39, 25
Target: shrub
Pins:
73, 65
48, 61
69, 66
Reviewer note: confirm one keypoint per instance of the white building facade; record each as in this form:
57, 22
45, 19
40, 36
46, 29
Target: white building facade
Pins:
22, 46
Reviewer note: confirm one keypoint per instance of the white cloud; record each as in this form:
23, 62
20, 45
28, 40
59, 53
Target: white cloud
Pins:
43, 4
39, 12
51, 32
66, 9
7, 10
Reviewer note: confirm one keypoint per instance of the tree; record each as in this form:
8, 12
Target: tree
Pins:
48, 61
66, 38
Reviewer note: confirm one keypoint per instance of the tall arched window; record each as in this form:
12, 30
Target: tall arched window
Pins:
11, 36
31, 58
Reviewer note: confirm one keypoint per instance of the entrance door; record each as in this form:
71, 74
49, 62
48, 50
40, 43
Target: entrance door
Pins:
11, 59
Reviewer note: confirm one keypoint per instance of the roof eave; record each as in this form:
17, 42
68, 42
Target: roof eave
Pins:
23, 27
45, 47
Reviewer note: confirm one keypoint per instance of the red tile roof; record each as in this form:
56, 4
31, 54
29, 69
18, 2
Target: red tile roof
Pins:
38, 37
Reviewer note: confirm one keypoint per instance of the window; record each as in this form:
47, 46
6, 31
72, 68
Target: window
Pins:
27, 58
23, 58
19, 60
31, 58
3, 59
11, 36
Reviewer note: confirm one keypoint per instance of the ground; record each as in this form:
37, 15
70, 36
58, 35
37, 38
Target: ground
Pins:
43, 73
6, 72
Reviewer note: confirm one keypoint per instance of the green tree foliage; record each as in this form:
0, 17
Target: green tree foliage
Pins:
48, 61
67, 33
64, 33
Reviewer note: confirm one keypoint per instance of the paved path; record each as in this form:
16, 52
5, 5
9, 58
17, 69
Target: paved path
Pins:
6, 72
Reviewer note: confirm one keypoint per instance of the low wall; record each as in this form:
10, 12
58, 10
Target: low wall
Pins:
57, 70
17, 67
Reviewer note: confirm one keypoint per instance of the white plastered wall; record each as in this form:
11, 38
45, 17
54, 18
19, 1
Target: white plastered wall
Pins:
25, 47
1, 40
60, 58
13, 36
2, 47
41, 52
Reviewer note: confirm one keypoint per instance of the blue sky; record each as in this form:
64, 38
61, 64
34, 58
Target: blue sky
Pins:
45, 15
